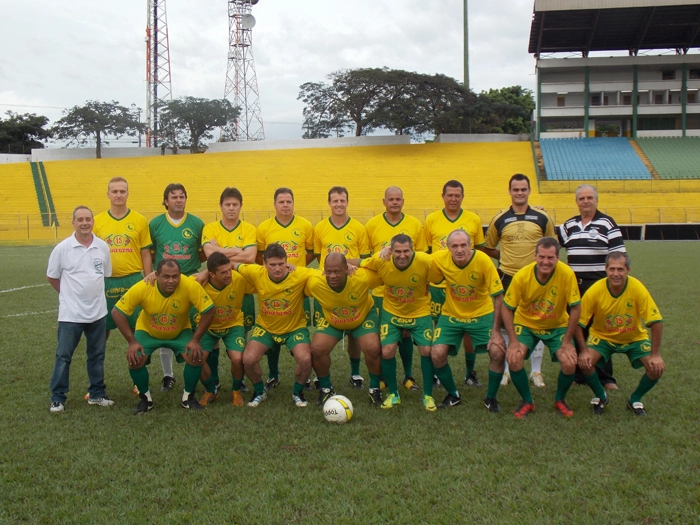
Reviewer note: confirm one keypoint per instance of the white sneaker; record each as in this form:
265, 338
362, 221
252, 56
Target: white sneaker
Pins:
505, 379
56, 407
102, 401
537, 379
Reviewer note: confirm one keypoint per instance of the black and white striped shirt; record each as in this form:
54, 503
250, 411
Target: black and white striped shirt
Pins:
587, 247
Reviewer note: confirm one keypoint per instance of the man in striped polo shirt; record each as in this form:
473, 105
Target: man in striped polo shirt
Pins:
588, 239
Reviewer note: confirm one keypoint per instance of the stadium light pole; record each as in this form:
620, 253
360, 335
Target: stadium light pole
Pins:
466, 123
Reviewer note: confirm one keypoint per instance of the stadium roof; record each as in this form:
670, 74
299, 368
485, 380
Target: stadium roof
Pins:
614, 25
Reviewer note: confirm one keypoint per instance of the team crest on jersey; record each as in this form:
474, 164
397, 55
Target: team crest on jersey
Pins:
353, 296
474, 277
298, 337
646, 347
497, 282
463, 293
240, 341
629, 304
175, 304
368, 325
289, 291
401, 294
296, 233
231, 296
176, 250
130, 226
554, 291
544, 309
337, 248
349, 237
620, 323
187, 233
414, 278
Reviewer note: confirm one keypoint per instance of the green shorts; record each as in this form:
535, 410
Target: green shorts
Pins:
248, 309
450, 331
437, 299
634, 351
233, 338
307, 311
420, 328
150, 344
369, 326
115, 287
550, 338
274, 341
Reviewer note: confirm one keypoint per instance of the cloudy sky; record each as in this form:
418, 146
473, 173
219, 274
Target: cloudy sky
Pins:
57, 54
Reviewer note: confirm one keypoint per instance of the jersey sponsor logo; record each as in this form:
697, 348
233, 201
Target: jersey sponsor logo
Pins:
462, 293
620, 324
344, 314
275, 307
443, 242
403, 321
98, 264
119, 243
224, 314
290, 247
176, 250
164, 323
531, 217
509, 220
337, 248
463, 320
543, 309
401, 294
541, 332
280, 340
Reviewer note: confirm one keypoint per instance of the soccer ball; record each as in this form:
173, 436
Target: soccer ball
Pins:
338, 409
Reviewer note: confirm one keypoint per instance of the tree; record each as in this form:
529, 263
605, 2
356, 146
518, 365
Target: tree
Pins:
505, 110
21, 133
324, 114
97, 120
189, 120
443, 105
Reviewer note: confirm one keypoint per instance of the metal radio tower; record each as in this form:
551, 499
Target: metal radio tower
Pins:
241, 81
158, 86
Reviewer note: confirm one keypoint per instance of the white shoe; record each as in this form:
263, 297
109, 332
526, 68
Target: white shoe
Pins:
56, 407
505, 379
537, 379
102, 401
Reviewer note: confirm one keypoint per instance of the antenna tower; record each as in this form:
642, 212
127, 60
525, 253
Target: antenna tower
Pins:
241, 81
158, 86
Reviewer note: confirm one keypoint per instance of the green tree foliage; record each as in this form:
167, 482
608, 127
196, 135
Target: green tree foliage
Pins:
21, 133
97, 121
505, 110
188, 121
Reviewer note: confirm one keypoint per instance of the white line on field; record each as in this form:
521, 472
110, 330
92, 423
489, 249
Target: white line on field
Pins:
23, 288
31, 313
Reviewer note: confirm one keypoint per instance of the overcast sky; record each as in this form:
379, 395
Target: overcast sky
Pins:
57, 54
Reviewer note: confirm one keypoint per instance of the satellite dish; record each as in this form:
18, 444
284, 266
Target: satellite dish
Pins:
248, 21
253, 2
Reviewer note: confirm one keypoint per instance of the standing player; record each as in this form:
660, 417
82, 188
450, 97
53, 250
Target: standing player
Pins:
438, 225
535, 310
518, 229
380, 230
341, 234
176, 235
618, 305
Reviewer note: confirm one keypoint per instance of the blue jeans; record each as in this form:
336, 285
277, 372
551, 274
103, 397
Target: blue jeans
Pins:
69, 335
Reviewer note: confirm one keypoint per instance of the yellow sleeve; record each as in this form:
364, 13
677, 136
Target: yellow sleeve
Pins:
494, 282
310, 237
208, 233
492, 239
427, 235
373, 263
249, 237
479, 238
372, 278
199, 298
421, 244
587, 303
131, 299
574, 295
649, 310
365, 249
145, 237
512, 298
317, 239
435, 274
260, 235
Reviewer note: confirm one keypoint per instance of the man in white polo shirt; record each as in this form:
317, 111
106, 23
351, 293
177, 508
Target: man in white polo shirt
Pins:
77, 270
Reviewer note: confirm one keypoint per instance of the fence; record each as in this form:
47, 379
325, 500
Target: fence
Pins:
623, 186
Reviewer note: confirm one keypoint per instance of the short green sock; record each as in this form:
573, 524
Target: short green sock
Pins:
236, 385
494, 384
213, 362
375, 380
298, 388
645, 384
563, 385
273, 362
191, 375
389, 374
522, 384
210, 385
594, 382
471, 361
325, 382
140, 378
426, 369
355, 366
259, 388
448, 381
406, 353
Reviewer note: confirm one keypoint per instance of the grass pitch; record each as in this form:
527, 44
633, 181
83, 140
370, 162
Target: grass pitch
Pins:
280, 464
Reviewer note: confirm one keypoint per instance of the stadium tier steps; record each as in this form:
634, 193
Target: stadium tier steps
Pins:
610, 158
673, 157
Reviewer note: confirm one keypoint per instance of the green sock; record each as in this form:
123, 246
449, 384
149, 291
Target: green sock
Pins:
259, 388
298, 388
494, 384
325, 382
355, 366
426, 369
374, 380
594, 382
522, 384
645, 384
471, 361
563, 385
389, 373
213, 362
236, 384
140, 378
448, 381
273, 362
406, 352
191, 375
210, 385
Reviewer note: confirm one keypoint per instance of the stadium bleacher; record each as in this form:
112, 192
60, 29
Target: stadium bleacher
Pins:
673, 157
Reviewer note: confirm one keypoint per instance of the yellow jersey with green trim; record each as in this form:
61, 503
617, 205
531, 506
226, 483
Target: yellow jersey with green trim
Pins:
406, 292
542, 306
469, 288
126, 237
297, 238
345, 309
281, 304
227, 302
619, 319
164, 316
241, 236
350, 240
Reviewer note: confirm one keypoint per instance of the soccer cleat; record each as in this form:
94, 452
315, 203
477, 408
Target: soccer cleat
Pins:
101, 401
382, 384
450, 401
537, 379
271, 383
134, 391
375, 397
324, 394
299, 400
191, 403
237, 398
429, 404
317, 383
144, 405
168, 383
357, 381
563, 408
505, 379
636, 407
307, 385
217, 387
208, 397
598, 405
471, 380
436, 382
492, 405
391, 401
524, 409
244, 387
257, 399
56, 407
410, 384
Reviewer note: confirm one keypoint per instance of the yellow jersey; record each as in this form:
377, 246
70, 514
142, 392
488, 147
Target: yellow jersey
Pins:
619, 319
350, 240
227, 302
296, 238
241, 236
126, 237
469, 288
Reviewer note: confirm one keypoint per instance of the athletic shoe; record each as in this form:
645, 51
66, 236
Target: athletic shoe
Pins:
217, 387
237, 398
244, 387
598, 405
436, 382
450, 401
537, 379
636, 407
382, 384
271, 383
324, 394
307, 385
375, 397
563, 408
492, 405
505, 379
410, 384
300, 400
357, 381
317, 383
191, 403
611, 386
168, 383
134, 391
524, 409
429, 404
257, 399
56, 407
144, 405
391, 401
207, 398
471, 380
101, 401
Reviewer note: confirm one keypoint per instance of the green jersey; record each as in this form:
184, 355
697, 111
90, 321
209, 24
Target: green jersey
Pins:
181, 242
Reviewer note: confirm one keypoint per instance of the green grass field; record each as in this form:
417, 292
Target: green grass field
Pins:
280, 464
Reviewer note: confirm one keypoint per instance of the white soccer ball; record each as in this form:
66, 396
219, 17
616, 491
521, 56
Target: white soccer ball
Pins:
338, 409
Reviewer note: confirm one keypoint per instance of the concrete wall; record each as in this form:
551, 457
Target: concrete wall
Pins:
446, 138
340, 142
48, 154
11, 158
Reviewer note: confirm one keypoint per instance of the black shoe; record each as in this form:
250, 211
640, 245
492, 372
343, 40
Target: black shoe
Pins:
471, 380
307, 385
324, 394
357, 381
271, 383
144, 405
191, 403
168, 383
375, 397
317, 383
492, 405
637, 408
450, 401
598, 405
436, 382
244, 387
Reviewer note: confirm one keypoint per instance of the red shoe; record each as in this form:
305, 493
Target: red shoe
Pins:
563, 408
524, 409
